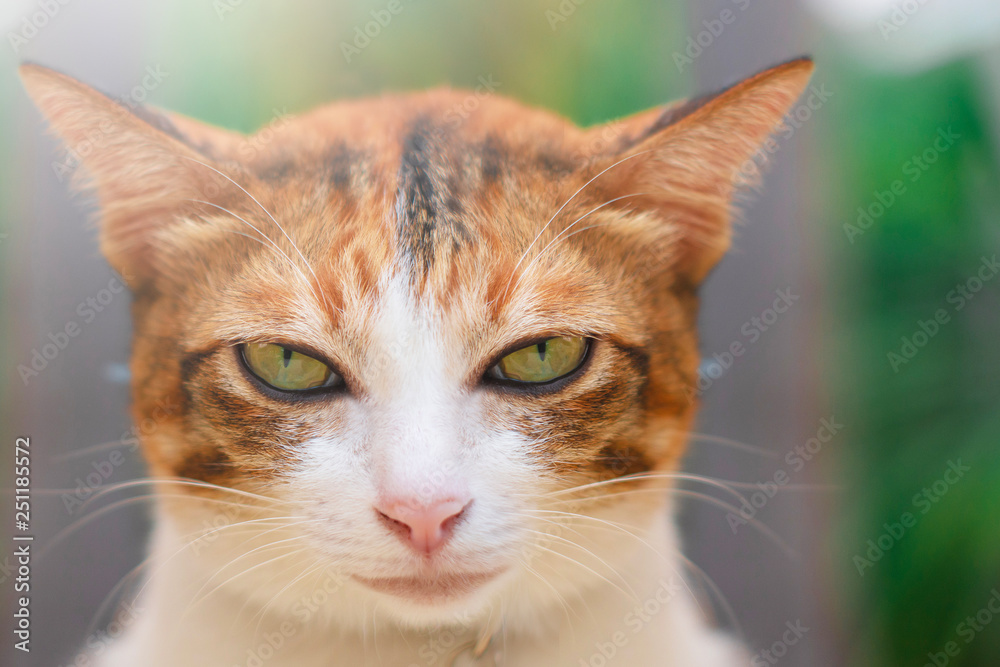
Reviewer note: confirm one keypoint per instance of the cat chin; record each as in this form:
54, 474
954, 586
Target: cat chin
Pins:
430, 590
526, 608
466, 608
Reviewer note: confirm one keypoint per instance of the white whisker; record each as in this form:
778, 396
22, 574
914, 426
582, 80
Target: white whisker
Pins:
560, 209
276, 223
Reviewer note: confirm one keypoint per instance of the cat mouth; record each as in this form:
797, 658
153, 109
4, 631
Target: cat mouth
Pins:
430, 587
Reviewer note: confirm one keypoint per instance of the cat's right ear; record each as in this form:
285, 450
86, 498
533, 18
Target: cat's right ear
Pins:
144, 173
685, 163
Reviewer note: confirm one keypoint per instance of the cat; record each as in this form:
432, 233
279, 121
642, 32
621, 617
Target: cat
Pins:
428, 374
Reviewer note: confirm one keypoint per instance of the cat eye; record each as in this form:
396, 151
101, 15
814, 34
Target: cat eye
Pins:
287, 369
542, 362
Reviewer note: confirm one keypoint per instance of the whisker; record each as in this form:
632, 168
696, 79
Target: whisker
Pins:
711, 500
247, 554
276, 223
198, 536
707, 580
110, 597
584, 549
629, 594
180, 481
722, 600
559, 596
111, 444
276, 247
560, 209
652, 475
317, 566
611, 524
199, 600
87, 519
574, 223
729, 442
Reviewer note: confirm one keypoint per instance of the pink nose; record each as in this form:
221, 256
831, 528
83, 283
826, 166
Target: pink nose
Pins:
425, 527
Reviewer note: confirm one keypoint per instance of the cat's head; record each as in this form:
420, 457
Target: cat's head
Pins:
417, 323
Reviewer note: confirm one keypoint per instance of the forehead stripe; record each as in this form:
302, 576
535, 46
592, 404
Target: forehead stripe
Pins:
430, 219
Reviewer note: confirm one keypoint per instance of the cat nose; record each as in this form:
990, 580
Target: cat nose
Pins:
426, 527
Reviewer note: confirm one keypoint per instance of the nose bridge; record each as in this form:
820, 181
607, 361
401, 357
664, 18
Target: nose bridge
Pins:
421, 493
418, 448
415, 433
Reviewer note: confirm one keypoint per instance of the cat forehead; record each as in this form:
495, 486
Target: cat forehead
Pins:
460, 117
440, 130
417, 179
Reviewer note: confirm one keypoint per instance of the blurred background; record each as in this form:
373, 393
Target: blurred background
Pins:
879, 222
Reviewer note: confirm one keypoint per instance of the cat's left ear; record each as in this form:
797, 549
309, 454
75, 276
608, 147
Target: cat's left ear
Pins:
685, 163
145, 170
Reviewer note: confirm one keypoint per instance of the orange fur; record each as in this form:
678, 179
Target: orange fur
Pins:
331, 177
511, 223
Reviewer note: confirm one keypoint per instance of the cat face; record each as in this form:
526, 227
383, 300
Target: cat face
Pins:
415, 345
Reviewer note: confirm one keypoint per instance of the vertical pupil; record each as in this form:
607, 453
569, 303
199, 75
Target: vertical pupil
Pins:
541, 350
286, 355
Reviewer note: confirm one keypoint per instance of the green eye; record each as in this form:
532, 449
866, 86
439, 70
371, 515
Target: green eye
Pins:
542, 362
286, 369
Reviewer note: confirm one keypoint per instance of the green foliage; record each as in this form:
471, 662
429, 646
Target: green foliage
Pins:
938, 406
